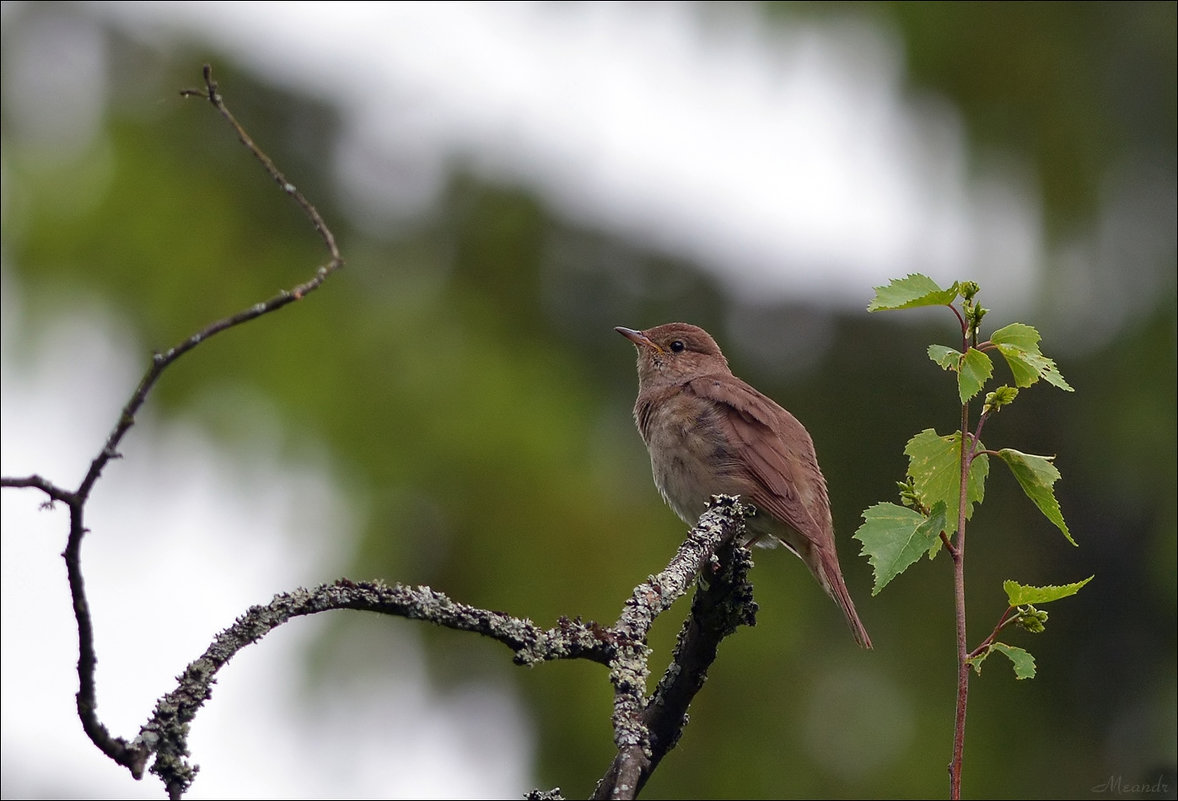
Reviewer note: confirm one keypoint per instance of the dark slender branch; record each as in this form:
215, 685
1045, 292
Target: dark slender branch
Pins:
134, 756
161, 361
54, 492
958, 554
964, 326
1007, 618
977, 436
949, 547
129, 755
211, 93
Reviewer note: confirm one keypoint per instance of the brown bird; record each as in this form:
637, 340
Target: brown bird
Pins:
709, 433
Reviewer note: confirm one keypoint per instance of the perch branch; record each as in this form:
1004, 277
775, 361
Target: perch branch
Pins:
621, 647
646, 729
166, 733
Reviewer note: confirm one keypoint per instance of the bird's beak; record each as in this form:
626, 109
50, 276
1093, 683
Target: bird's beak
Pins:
638, 338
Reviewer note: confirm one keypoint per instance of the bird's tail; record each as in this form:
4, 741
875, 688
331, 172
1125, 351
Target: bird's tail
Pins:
838, 591
825, 567
824, 564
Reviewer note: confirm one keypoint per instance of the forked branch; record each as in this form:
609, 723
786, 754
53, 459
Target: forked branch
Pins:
134, 756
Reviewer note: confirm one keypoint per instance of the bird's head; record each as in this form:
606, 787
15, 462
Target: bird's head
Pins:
673, 353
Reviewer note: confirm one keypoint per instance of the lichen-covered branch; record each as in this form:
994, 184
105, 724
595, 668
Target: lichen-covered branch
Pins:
723, 602
646, 729
166, 734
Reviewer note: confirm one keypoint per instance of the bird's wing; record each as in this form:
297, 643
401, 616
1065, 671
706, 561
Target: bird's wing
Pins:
776, 452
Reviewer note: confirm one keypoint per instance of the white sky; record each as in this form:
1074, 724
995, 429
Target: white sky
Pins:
791, 162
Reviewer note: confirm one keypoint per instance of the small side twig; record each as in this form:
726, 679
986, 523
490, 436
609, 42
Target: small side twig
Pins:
212, 94
34, 481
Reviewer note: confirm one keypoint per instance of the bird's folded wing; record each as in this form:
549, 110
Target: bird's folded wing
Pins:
776, 451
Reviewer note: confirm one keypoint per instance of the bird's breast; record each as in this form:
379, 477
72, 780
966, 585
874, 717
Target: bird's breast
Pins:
690, 455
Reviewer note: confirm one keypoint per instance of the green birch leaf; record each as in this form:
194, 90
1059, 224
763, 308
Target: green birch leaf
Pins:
910, 292
1021, 369
1020, 335
1027, 368
934, 465
947, 358
894, 537
976, 369
1053, 376
1022, 594
1019, 345
1046, 369
1036, 475
1024, 663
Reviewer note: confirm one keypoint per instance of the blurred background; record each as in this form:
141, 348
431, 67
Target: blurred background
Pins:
507, 183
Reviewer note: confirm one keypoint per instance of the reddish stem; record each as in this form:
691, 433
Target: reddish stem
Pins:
958, 555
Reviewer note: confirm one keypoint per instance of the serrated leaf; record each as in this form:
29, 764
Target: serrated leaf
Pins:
1023, 372
973, 368
1022, 594
894, 537
1053, 376
1019, 345
1049, 372
976, 369
1024, 663
1036, 475
910, 292
947, 358
1020, 335
1027, 368
934, 465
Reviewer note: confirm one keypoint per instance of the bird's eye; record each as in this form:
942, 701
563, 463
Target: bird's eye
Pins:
677, 346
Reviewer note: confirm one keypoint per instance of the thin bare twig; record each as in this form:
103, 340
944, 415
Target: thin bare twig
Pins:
1008, 617
161, 361
211, 93
134, 756
54, 492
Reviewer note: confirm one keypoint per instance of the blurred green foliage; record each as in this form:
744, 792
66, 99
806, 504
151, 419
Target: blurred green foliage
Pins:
462, 373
